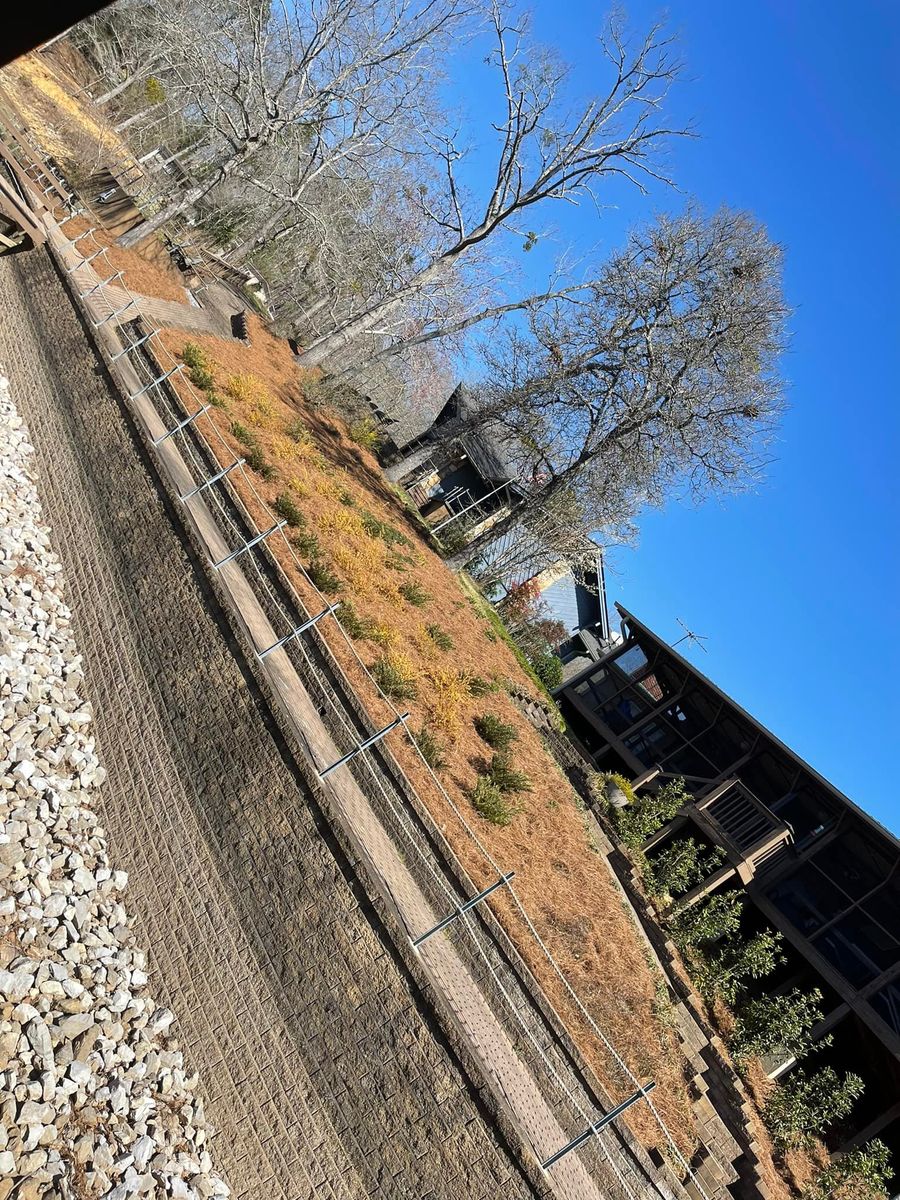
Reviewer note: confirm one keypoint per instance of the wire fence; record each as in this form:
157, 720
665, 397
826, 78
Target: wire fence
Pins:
226, 484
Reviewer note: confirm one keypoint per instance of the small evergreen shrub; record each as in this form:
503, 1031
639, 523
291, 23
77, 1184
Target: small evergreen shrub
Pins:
257, 461
414, 594
480, 687
777, 1022
286, 508
497, 734
347, 499
440, 637
548, 669
322, 576
349, 618
307, 543
490, 803
200, 373
650, 812
504, 775
394, 675
243, 434
298, 432
381, 529
802, 1108
431, 748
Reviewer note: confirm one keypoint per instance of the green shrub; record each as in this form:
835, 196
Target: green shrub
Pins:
346, 498
440, 637
860, 1174
349, 618
431, 748
286, 507
490, 803
307, 543
777, 1023
707, 921
479, 686
650, 812
504, 775
414, 594
322, 576
548, 669
381, 529
257, 461
497, 734
364, 433
200, 373
803, 1107
725, 973
297, 431
243, 434
680, 866
393, 679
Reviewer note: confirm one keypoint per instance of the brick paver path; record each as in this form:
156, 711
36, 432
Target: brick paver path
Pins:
317, 1059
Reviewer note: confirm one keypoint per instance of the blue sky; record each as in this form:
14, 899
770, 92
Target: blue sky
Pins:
796, 586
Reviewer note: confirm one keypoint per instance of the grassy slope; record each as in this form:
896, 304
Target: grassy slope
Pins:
565, 886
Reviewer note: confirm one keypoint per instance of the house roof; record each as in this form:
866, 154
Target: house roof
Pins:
631, 620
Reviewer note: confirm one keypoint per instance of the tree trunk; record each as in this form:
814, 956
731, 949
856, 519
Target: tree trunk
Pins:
127, 81
248, 245
138, 116
143, 230
340, 338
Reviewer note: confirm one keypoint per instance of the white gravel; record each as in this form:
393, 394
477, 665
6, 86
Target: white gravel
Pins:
95, 1098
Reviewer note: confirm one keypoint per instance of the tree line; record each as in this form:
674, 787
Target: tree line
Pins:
322, 152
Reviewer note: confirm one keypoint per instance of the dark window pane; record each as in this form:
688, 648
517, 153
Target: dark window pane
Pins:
724, 744
768, 777
887, 1004
808, 900
807, 811
858, 948
884, 905
688, 761
855, 862
623, 711
652, 742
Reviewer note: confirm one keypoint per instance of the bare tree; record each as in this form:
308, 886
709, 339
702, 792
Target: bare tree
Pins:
544, 153
288, 92
664, 380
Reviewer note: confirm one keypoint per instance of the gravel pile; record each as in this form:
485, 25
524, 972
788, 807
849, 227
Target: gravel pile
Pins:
95, 1098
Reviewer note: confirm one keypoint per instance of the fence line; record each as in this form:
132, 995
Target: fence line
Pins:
151, 342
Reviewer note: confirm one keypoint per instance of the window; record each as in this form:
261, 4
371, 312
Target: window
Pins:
855, 862
632, 661
808, 899
884, 905
768, 777
725, 743
858, 948
653, 742
887, 1004
807, 811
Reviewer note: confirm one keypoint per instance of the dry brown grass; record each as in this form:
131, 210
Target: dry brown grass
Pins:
51, 110
565, 887
159, 279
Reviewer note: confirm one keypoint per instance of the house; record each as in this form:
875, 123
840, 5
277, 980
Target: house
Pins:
810, 863
461, 479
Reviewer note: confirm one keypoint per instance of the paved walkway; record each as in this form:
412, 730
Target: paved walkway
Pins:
317, 1059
